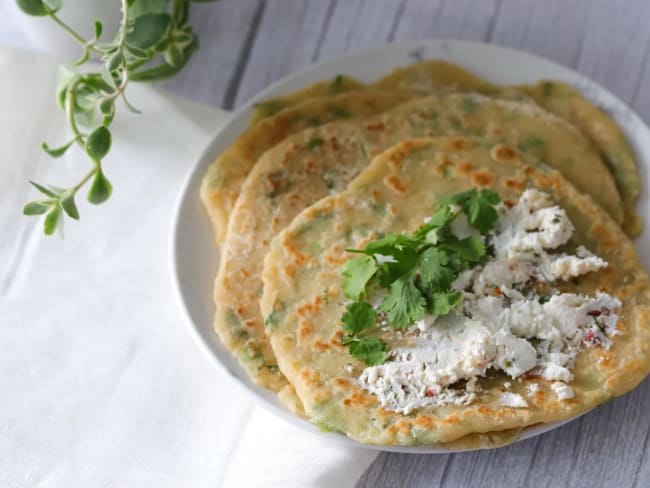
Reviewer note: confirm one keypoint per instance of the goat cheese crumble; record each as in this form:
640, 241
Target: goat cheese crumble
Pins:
502, 324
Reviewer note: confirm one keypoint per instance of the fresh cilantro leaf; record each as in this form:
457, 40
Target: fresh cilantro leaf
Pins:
356, 274
440, 218
392, 245
372, 351
458, 198
470, 249
480, 210
442, 303
404, 303
358, 316
434, 271
405, 261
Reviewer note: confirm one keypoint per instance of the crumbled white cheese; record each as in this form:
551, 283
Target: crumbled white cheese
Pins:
498, 326
562, 390
512, 400
507, 384
532, 388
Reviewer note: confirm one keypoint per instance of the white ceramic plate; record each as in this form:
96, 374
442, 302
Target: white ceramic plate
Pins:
194, 258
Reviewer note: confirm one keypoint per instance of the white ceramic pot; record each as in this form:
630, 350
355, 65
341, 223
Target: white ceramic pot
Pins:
78, 14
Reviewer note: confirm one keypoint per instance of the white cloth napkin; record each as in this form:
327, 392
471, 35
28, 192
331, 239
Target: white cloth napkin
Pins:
100, 382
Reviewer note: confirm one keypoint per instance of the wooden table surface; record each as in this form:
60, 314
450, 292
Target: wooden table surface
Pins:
247, 44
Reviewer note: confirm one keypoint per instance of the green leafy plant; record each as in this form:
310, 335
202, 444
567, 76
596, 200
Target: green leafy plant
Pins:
154, 41
417, 271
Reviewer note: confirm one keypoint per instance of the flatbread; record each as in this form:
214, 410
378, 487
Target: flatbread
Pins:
558, 98
566, 102
221, 184
309, 165
302, 274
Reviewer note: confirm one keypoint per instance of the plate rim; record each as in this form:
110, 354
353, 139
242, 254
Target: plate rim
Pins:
278, 87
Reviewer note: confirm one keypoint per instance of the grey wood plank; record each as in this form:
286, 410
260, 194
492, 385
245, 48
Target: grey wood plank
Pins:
212, 74
285, 41
459, 19
357, 25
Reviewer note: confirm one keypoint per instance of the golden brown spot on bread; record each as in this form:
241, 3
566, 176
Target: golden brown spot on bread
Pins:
482, 178
424, 422
333, 260
358, 399
305, 328
395, 183
298, 256
336, 338
321, 346
460, 144
503, 153
309, 376
306, 310
404, 427
515, 184
376, 127
289, 270
483, 410
341, 383
464, 168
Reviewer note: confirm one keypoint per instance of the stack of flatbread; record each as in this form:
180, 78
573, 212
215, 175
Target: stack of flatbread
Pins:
334, 166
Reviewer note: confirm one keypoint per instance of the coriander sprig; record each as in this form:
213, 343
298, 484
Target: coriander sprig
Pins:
417, 271
148, 29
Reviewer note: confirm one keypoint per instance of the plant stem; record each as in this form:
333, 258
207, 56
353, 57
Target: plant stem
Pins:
69, 110
71, 31
85, 179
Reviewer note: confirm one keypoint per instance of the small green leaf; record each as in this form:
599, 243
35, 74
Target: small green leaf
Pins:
140, 7
98, 143
43, 190
115, 61
442, 303
65, 78
36, 207
39, 8
358, 316
107, 106
404, 303
356, 274
174, 55
372, 351
434, 270
101, 189
57, 152
148, 30
67, 203
470, 249
480, 210
52, 220
137, 53
99, 28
